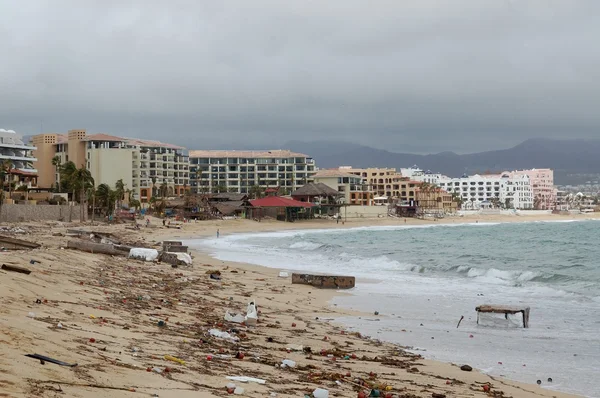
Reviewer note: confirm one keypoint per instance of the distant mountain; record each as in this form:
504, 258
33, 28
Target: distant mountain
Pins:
569, 158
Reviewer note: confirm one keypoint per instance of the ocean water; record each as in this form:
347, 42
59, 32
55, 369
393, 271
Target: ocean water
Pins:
422, 279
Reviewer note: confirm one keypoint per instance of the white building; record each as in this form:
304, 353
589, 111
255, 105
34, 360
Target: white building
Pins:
481, 191
239, 171
416, 174
19, 159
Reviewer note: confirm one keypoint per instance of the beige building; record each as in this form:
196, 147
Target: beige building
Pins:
352, 186
436, 200
240, 171
143, 165
384, 181
18, 160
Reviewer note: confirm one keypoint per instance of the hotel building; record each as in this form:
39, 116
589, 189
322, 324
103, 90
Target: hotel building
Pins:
355, 190
20, 158
143, 165
480, 191
239, 171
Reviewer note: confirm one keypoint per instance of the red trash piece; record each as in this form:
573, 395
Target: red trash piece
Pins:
209, 357
293, 325
92, 340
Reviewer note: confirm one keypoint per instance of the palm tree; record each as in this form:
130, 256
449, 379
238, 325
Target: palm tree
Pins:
164, 188
153, 186
106, 198
56, 163
7, 167
119, 192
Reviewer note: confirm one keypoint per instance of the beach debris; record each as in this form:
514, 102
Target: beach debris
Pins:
376, 312
140, 253
14, 268
283, 274
9, 243
438, 395
324, 281
549, 379
295, 347
460, 320
93, 247
214, 274
321, 393
288, 363
251, 314
33, 262
236, 318
238, 391
222, 335
43, 359
466, 368
174, 359
245, 379
31, 315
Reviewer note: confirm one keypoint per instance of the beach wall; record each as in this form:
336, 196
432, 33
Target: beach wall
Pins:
19, 213
364, 212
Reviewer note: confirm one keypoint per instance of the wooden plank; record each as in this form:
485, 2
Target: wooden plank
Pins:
14, 268
500, 309
16, 244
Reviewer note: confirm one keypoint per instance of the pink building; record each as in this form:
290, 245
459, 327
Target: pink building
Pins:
542, 185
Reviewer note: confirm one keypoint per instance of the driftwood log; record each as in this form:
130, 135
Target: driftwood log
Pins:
92, 247
324, 281
14, 268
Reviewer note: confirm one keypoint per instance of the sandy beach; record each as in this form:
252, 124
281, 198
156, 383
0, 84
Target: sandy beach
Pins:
103, 313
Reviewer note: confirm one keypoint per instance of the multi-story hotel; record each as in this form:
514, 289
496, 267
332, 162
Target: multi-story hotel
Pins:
380, 179
239, 171
509, 189
144, 166
354, 188
19, 160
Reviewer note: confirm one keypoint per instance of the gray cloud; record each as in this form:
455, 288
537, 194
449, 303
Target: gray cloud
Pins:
414, 75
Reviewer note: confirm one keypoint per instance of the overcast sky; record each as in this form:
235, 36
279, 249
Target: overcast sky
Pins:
405, 75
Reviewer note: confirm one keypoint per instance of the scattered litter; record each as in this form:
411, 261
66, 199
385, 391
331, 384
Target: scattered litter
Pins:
295, 347
321, 393
222, 335
251, 314
31, 315
238, 391
140, 253
283, 274
288, 363
237, 318
43, 359
245, 379
174, 359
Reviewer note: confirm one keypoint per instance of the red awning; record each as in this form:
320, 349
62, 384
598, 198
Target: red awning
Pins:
278, 201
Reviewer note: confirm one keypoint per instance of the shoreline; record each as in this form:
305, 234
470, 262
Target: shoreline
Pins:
386, 223
116, 303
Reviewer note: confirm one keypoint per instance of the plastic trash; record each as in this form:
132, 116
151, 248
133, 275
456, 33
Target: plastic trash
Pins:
174, 359
157, 370
251, 314
321, 393
238, 391
289, 363
231, 386
237, 318
295, 347
283, 274
244, 379
222, 335
140, 253
31, 315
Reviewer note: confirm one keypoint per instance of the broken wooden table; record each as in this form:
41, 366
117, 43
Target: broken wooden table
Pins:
506, 310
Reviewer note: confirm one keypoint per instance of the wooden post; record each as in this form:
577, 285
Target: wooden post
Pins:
526, 318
